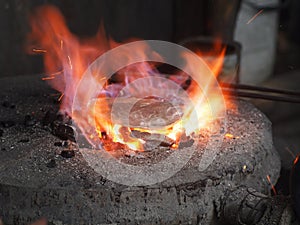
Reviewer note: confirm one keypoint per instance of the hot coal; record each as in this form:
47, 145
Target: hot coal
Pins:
152, 140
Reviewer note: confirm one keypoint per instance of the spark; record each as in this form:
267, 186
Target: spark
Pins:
244, 167
52, 75
60, 97
57, 73
272, 186
296, 159
48, 78
174, 146
70, 62
254, 17
231, 136
39, 50
61, 44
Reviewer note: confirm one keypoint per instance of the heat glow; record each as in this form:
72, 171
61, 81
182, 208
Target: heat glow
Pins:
71, 56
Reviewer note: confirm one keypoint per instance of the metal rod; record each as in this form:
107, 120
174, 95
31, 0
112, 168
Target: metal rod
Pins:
262, 96
260, 89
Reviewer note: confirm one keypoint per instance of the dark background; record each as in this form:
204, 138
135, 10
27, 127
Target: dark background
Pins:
170, 20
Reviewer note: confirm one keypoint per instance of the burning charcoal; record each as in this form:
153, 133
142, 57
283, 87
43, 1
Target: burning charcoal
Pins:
7, 123
29, 121
139, 134
152, 140
104, 135
63, 131
152, 144
1, 133
51, 164
67, 153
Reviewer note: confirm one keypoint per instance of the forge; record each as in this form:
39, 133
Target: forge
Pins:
43, 176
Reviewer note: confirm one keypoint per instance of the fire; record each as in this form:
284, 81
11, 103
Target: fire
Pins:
65, 52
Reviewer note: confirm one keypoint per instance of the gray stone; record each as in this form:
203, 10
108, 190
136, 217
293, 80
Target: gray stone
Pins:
72, 192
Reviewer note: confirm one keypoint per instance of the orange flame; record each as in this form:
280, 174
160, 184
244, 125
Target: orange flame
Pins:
65, 52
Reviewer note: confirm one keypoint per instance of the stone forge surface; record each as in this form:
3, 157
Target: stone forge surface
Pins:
36, 181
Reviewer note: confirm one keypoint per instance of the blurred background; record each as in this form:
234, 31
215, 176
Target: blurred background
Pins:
267, 32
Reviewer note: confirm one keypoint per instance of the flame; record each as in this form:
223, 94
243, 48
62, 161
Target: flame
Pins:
65, 52
214, 63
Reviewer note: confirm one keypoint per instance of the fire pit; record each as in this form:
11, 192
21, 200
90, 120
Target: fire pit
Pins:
42, 176
129, 144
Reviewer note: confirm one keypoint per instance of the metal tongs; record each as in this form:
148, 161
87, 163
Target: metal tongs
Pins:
251, 91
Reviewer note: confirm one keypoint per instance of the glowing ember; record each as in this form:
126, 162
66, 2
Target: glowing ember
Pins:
168, 118
231, 136
296, 160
